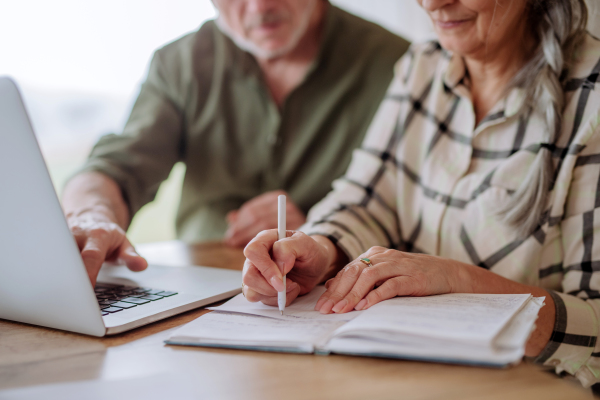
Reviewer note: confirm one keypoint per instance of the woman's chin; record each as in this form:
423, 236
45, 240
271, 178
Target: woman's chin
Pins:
456, 44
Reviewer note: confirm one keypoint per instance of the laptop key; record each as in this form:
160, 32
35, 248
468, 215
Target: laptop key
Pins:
122, 304
138, 295
166, 294
112, 309
104, 313
134, 300
154, 291
151, 297
106, 302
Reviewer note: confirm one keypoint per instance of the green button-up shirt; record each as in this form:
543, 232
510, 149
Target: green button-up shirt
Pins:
205, 103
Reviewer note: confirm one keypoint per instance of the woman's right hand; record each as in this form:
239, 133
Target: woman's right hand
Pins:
306, 260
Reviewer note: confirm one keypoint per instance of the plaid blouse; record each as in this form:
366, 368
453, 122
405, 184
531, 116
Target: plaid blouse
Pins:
425, 181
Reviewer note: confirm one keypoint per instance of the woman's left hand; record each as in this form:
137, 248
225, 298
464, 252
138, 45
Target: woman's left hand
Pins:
393, 273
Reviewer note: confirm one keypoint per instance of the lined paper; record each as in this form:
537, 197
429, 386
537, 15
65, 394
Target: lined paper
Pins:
473, 318
252, 331
488, 329
302, 308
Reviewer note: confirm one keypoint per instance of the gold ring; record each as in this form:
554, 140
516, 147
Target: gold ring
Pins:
367, 262
243, 290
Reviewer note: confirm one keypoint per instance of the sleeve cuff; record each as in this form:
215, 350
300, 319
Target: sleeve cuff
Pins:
573, 339
346, 242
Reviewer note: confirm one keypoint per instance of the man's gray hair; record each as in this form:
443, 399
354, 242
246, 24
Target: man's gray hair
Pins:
560, 28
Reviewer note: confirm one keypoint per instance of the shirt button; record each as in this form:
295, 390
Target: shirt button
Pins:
554, 362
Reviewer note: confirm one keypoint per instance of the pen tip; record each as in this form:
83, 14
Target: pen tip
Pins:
281, 312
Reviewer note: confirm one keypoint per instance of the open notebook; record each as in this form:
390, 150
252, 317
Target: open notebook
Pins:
481, 329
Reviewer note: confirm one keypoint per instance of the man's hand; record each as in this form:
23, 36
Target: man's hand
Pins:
257, 215
98, 216
99, 239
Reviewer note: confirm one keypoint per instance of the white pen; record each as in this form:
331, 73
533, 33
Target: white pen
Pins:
281, 234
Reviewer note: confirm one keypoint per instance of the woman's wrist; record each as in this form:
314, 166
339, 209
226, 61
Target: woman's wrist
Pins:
466, 278
459, 277
333, 256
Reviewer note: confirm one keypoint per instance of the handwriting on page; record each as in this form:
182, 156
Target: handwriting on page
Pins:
302, 308
465, 317
246, 329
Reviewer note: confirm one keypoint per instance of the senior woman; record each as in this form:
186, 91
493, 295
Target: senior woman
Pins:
480, 174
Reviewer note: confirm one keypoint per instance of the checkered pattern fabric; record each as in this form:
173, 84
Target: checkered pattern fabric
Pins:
426, 179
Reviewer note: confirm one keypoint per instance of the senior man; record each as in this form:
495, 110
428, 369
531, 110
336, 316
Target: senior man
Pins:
270, 98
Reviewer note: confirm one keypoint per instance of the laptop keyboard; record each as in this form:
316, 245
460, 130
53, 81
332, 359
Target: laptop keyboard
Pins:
115, 298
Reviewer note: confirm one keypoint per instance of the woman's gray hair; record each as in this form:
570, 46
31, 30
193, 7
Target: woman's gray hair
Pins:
560, 28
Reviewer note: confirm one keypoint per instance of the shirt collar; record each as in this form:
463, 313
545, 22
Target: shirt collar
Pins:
456, 71
513, 101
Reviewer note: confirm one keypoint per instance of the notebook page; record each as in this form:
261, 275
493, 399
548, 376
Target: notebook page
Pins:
472, 318
238, 330
302, 308
509, 346
517, 331
461, 353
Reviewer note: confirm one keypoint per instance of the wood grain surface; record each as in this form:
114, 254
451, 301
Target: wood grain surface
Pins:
32, 355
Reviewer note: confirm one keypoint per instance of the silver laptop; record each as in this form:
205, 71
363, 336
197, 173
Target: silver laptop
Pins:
42, 278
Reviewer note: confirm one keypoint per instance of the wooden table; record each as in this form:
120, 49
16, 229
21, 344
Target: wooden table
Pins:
32, 355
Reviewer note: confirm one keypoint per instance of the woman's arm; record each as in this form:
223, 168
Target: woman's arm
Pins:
395, 273
473, 279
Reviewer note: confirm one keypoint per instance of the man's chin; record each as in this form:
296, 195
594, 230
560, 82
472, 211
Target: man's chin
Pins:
271, 52
268, 52
265, 48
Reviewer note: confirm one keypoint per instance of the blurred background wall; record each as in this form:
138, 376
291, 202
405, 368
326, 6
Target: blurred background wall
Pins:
80, 65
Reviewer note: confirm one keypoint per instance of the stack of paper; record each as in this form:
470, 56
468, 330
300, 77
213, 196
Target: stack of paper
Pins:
481, 329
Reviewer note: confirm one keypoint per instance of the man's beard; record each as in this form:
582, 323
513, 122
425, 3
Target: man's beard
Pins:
257, 51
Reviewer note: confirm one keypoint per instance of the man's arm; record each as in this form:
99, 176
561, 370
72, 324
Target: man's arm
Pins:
124, 171
97, 193
98, 218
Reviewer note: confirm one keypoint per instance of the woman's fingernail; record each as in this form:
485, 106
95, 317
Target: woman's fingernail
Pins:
361, 304
320, 303
326, 309
277, 284
340, 306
